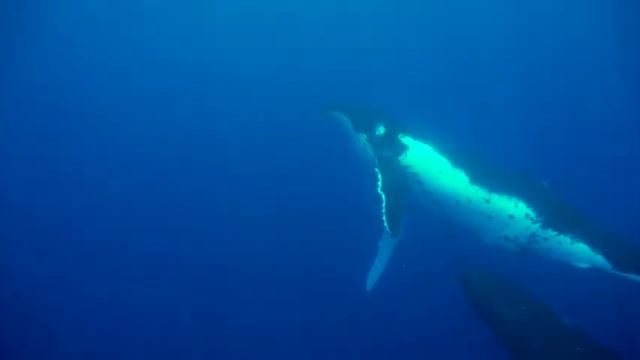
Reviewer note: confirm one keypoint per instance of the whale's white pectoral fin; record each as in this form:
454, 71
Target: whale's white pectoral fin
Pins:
386, 245
633, 277
391, 224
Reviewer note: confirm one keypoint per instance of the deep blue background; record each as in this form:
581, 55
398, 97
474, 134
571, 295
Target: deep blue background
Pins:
169, 189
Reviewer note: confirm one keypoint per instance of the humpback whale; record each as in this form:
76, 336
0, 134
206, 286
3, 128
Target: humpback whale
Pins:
502, 209
527, 327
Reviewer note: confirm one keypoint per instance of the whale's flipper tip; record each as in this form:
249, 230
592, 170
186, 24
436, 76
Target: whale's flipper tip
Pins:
634, 277
386, 245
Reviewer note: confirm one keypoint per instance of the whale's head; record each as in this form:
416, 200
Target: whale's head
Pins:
361, 120
374, 130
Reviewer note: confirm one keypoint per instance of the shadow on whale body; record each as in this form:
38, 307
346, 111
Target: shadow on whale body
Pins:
527, 327
500, 207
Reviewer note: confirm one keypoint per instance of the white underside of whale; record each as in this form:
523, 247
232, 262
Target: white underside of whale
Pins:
497, 218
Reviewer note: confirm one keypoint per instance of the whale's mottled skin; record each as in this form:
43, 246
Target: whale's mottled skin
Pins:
527, 327
502, 210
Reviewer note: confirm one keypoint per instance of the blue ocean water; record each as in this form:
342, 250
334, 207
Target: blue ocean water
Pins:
169, 187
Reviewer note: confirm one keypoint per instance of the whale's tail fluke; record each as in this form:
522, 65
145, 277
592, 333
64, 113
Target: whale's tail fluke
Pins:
386, 245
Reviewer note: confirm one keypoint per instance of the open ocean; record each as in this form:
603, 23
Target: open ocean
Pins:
170, 188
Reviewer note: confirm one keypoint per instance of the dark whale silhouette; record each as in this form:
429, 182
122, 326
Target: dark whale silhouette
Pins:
526, 326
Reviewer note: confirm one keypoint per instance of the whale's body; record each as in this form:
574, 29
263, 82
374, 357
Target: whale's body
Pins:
409, 167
